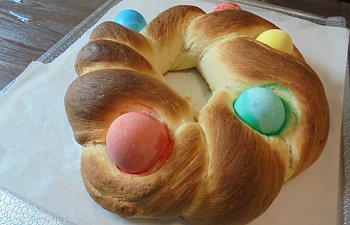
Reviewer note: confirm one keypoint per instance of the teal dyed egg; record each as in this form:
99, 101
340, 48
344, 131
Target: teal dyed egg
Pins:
130, 19
261, 109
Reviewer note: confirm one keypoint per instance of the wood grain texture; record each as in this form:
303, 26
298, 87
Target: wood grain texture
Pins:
319, 7
28, 28
326, 8
345, 11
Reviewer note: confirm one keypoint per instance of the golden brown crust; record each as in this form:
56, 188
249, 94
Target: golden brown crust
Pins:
220, 170
216, 26
114, 32
106, 54
206, 30
226, 22
245, 171
249, 63
160, 30
153, 195
94, 100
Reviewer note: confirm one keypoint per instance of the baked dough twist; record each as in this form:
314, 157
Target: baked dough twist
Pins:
220, 170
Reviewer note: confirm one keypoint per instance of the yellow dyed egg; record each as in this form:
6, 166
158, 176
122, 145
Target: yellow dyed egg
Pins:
277, 39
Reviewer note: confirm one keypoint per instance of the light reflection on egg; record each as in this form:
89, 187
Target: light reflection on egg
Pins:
130, 19
261, 109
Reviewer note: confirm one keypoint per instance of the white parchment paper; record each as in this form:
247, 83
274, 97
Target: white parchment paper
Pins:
40, 160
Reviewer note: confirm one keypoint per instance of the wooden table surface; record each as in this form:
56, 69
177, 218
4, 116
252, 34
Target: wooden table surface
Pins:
28, 28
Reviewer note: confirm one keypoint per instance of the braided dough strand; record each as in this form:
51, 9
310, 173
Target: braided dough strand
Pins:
220, 171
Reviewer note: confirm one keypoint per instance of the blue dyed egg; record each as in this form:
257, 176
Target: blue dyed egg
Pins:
130, 19
261, 109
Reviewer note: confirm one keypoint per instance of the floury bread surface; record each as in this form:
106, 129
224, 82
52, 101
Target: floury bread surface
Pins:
220, 170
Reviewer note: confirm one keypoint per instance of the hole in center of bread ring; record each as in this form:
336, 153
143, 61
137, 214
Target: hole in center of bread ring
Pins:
191, 85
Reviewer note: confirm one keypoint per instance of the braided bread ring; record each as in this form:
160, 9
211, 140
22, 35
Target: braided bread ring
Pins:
220, 170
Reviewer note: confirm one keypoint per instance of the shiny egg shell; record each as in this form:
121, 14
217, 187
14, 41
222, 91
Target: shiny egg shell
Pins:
131, 19
277, 39
261, 109
135, 142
